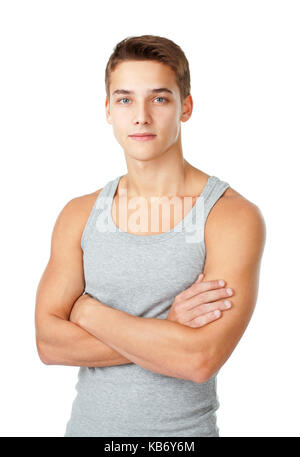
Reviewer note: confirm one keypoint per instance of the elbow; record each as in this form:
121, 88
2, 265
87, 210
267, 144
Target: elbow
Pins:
205, 372
45, 361
42, 353
200, 377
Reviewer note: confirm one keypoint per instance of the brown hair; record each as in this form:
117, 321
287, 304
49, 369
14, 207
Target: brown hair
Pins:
151, 47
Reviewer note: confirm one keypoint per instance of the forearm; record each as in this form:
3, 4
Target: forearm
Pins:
158, 345
64, 343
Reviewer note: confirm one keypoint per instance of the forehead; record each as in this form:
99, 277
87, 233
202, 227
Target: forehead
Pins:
140, 76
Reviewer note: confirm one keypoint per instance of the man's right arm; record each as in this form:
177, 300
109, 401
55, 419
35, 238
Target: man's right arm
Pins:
60, 341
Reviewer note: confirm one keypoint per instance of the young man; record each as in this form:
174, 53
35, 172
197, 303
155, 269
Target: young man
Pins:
145, 333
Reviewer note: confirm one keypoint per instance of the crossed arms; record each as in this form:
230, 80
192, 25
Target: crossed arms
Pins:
97, 335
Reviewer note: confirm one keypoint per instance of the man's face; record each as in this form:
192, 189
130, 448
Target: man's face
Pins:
142, 110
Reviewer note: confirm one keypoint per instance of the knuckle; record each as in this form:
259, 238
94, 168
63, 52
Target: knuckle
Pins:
208, 297
204, 308
212, 307
212, 284
203, 297
200, 300
194, 300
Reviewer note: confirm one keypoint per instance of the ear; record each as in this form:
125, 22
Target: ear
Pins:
107, 111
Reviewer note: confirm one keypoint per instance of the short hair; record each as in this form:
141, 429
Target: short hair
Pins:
151, 47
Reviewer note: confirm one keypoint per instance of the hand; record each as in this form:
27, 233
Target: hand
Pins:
196, 305
78, 308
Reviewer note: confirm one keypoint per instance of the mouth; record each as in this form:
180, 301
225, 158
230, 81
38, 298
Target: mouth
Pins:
142, 136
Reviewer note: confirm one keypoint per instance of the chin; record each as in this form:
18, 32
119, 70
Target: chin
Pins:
142, 156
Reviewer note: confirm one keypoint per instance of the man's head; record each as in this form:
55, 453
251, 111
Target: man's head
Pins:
136, 73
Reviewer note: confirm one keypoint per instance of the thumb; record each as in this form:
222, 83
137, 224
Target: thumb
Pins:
200, 277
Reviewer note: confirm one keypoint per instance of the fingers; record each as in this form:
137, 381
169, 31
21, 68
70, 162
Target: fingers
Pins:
202, 302
207, 297
199, 294
200, 321
185, 316
197, 287
207, 308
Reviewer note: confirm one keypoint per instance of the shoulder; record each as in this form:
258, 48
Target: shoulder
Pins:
74, 215
231, 214
236, 223
232, 209
84, 203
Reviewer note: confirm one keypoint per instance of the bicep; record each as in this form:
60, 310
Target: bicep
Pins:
234, 251
62, 281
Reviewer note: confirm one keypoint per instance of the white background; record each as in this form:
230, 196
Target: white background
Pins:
56, 145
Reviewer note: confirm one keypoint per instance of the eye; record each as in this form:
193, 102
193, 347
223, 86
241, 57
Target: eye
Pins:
124, 98
163, 98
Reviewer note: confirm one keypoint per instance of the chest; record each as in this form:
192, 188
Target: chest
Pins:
140, 216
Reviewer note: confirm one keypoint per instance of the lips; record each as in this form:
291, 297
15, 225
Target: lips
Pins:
142, 134
142, 137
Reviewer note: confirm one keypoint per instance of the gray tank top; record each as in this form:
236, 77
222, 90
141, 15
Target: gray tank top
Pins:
141, 275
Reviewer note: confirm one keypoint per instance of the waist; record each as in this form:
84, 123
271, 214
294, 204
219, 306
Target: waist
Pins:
128, 400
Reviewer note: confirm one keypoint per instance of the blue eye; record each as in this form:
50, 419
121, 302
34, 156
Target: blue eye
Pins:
162, 98
125, 98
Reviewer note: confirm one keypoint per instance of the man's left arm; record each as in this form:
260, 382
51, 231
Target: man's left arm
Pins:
234, 240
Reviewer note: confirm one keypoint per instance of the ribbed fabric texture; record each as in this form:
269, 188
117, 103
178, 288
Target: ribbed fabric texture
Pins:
141, 275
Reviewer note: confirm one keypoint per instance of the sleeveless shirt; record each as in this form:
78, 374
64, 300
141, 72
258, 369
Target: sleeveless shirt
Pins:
141, 275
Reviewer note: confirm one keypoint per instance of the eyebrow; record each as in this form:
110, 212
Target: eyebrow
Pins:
150, 91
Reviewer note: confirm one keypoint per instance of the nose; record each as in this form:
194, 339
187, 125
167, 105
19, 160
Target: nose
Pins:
141, 115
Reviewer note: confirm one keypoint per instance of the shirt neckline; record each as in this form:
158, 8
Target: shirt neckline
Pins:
160, 236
